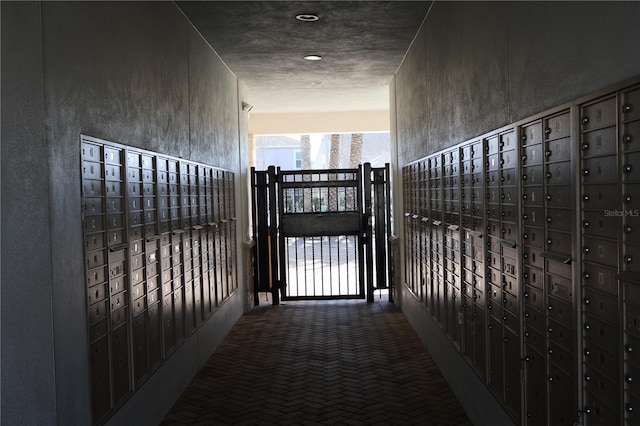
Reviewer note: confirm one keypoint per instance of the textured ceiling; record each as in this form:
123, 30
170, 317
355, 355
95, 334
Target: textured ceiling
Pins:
362, 43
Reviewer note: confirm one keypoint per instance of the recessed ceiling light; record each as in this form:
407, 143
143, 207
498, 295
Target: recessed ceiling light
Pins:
317, 83
313, 57
307, 17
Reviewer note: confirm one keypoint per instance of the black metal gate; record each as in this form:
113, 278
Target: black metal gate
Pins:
321, 234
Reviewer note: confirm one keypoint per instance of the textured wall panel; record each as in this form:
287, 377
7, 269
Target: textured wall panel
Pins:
489, 64
559, 51
214, 107
27, 341
411, 103
467, 71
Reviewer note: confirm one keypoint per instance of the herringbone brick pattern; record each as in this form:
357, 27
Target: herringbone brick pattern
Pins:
319, 363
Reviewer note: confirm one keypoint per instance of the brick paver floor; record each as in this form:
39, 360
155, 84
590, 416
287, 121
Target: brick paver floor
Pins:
319, 363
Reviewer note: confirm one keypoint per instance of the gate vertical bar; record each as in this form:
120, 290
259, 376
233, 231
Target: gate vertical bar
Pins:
368, 230
263, 280
379, 209
282, 260
273, 234
388, 234
361, 264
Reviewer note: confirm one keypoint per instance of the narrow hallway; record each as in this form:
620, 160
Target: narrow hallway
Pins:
329, 363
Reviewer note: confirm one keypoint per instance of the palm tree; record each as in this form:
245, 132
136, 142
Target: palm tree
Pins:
334, 163
355, 155
334, 152
356, 150
305, 152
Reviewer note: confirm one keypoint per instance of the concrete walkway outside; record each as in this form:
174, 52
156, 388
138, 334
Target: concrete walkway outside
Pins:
320, 363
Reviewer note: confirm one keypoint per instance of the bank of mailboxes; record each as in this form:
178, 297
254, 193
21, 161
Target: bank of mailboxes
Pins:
159, 235
533, 259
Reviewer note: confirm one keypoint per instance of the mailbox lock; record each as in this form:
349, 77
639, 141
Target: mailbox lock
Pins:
628, 378
628, 259
585, 172
627, 229
587, 352
585, 223
627, 108
586, 301
628, 348
548, 196
547, 131
548, 175
627, 198
586, 249
629, 407
585, 120
587, 326
547, 153
585, 146
586, 275
627, 138
587, 378
627, 168
585, 198
550, 351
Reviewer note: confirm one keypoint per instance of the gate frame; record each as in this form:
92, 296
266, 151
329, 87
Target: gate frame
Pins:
373, 230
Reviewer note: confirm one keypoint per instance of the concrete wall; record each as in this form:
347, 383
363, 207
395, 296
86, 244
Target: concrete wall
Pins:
136, 73
477, 66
